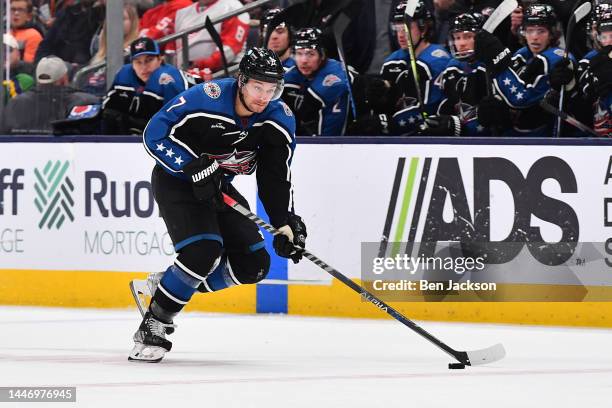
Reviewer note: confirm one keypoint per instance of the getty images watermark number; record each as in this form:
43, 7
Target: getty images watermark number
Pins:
37, 394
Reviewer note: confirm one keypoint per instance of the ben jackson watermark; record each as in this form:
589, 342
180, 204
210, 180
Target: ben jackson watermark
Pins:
499, 271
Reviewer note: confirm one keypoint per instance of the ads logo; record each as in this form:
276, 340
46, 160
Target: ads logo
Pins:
53, 194
429, 203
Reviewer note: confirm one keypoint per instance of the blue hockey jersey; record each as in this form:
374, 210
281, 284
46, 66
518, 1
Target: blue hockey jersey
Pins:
202, 120
320, 103
523, 86
129, 94
430, 64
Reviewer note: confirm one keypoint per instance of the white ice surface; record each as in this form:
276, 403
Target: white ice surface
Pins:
286, 361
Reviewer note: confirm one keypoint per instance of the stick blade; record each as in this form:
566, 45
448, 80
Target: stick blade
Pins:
487, 355
411, 7
499, 14
582, 11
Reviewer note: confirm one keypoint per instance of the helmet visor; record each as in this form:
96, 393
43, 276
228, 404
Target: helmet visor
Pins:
268, 91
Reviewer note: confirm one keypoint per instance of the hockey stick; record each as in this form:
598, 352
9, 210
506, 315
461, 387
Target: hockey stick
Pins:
411, 6
568, 118
342, 21
214, 35
579, 12
475, 357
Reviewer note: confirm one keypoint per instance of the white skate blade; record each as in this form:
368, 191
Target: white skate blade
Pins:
140, 291
147, 354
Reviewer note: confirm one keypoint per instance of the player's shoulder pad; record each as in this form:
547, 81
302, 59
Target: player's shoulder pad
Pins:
279, 115
552, 56
126, 77
523, 53
293, 75
213, 97
436, 57
288, 64
332, 74
456, 64
589, 55
398, 55
164, 75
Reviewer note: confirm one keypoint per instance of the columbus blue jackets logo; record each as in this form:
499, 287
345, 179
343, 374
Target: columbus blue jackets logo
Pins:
331, 79
237, 162
212, 89
165, 79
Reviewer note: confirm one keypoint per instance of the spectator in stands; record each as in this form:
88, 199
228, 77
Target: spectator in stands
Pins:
70, 35
158, 22
95, 82
203, 53
26, 33
140, 89
20, 72
51, 99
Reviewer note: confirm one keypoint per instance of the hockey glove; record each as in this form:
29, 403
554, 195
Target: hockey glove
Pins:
377, 92
442, 125
601, 67
292, 239
562, 74
490, 50
493, 112
206, 177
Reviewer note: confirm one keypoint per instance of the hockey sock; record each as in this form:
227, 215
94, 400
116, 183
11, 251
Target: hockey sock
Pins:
174, 292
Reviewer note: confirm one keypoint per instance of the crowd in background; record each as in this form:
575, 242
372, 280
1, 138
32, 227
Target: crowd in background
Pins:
363, 86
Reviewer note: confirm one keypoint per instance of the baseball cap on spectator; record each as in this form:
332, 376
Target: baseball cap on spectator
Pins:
144, 46
50, 69
10, 41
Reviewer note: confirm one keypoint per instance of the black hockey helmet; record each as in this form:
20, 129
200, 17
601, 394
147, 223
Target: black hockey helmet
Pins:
603, 17
466, 22
309, 38
540, 15
420, 13
471, 22
266, 20
262, 64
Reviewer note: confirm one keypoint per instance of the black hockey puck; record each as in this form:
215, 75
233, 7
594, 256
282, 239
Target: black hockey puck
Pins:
456, 366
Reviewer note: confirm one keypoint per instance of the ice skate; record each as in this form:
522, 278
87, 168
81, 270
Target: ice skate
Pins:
150, 344
143, 290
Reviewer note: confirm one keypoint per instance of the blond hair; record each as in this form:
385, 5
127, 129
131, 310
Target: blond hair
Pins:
128, 37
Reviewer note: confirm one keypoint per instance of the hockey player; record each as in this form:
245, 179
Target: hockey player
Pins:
316, 89
589, 95
463, 81
280, 37
398, 77
200, 141
523, 80
140, 89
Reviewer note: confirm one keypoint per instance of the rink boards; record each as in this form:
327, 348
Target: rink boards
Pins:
78, 221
